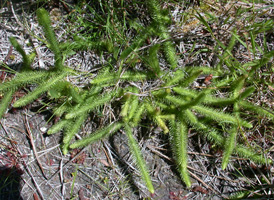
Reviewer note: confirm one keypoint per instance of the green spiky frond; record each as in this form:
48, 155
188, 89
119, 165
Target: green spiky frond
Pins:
98, 135
23, 79
5, 101
110, 78
162, 30
136, 152
179, 140
58, 126
27, 59
72, 128
89, 105
51, 82
44, 21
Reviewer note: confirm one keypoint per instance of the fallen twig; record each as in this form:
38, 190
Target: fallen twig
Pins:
26, 123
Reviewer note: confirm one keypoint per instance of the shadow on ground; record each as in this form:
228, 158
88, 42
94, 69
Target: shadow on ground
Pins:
9, 184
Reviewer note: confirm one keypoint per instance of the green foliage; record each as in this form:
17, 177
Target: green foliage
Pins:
88, 106
135, 150
110, 78
72, 127
162, 31
98, 135
5, 102
178, 137
174, 105
44, 21
43, 87
27, 59
23, 79
58, 126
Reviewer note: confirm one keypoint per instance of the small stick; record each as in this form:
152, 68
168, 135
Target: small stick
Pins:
35, 196
106, 153
66, 164
15, 16
203, 183
63, 187
33, 146
158, 153
33, 179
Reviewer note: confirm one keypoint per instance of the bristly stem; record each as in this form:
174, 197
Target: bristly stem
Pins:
44, 21
135, 150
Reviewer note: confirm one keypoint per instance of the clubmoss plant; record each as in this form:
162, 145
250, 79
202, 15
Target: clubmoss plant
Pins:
173, 104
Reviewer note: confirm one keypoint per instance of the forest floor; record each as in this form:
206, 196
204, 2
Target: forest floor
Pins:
32, 165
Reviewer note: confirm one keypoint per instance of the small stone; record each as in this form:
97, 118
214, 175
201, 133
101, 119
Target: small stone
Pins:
43, 129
